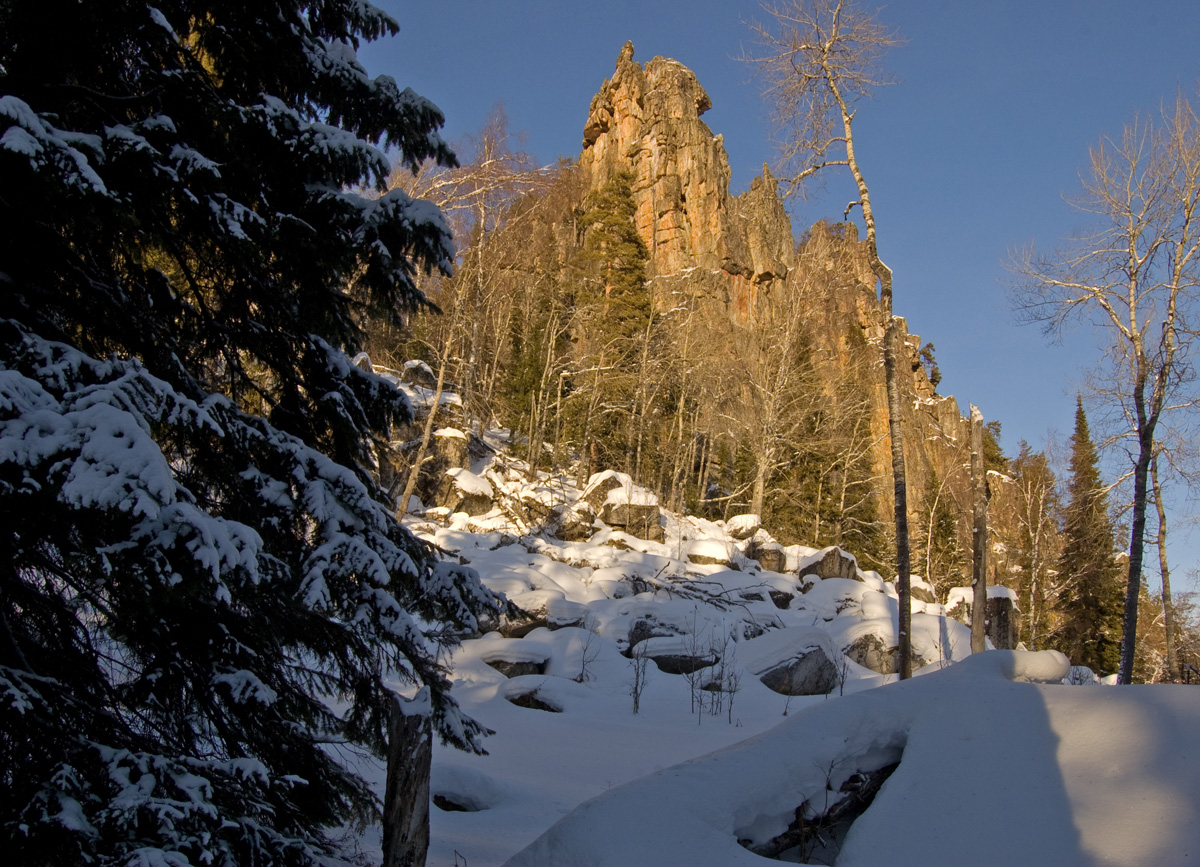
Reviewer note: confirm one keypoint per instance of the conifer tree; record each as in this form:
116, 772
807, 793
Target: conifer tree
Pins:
1090, 596
202, 591
613, 318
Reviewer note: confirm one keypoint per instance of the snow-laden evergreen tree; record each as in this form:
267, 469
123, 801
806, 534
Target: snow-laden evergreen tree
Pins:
1090, 599
202, 590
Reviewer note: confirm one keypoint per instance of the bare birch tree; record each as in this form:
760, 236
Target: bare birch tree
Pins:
819, 58
1136, 275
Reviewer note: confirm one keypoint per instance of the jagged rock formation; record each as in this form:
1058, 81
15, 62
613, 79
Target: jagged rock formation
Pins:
737, 255
646, 119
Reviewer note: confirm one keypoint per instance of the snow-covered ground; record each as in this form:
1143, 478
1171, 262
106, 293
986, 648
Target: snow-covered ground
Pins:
993, 768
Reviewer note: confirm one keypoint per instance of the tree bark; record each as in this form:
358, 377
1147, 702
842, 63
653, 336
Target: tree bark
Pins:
406, 799
414, 472
978, 536
890, 351
1168, 607
900, 497
1137, 533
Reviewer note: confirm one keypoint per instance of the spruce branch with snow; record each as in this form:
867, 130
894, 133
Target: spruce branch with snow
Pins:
203, 590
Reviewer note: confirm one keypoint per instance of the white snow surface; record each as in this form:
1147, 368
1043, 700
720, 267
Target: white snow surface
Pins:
992, 771
996, 756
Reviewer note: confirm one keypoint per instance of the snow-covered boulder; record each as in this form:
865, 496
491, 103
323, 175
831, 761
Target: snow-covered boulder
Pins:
795, 661
621, 504
514, 657
830, 562
676, 654
464, 491
708, 552
922, 590
770, 555
870, 651
1002, 613
743, 526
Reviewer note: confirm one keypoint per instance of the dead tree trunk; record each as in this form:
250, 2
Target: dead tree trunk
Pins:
406, 800
978, 536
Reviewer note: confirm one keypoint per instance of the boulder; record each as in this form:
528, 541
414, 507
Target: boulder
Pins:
742, 527
675, 654
463, 491
1001, 620
647, 627
677, 663
518, 669
770, 555
641, 520
707, 552
793, 661
576, 524
869, 651
811, 673
451, 447
831, 562
781, 599
623, 505
595, 493
922, 591
533, 701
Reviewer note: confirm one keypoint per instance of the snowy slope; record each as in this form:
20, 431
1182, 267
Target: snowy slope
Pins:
990, 772
559, 694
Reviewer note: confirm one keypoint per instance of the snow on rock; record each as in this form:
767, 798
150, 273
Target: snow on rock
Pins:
830, 562
743, 526
708, 552
469, 483
611, 580
795, 661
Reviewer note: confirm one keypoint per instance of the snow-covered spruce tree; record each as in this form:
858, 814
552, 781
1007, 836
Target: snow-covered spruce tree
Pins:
202, 591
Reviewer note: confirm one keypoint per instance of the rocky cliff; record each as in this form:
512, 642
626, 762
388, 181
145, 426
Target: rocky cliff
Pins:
738, 257
646, 120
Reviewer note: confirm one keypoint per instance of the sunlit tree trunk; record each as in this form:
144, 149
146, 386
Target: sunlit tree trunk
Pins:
1163, 567
978, 536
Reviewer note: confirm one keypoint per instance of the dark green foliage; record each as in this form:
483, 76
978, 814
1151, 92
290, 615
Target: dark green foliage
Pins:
1090, 600
1034, 545
201, 586
994, 459
612, 263
613, 315
929, 362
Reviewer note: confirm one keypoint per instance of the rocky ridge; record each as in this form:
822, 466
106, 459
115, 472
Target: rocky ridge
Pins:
646, 120
737, 256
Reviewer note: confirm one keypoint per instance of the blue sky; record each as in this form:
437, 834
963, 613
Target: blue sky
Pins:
967, 157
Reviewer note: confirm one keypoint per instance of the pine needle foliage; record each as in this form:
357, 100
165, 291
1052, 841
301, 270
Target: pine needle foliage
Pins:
203, 594
1090, 599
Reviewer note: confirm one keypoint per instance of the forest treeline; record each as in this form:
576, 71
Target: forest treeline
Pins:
553, 328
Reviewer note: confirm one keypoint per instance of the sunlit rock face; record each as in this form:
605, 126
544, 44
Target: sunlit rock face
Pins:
646, 120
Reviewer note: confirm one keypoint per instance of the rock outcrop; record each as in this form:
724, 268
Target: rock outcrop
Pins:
646, 120
735, 257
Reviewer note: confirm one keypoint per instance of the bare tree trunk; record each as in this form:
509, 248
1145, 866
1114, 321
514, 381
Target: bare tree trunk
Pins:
414, 472
978, 536
1137, 535
406, 799
1035, 582
1168, 607
890, 351
900, 495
